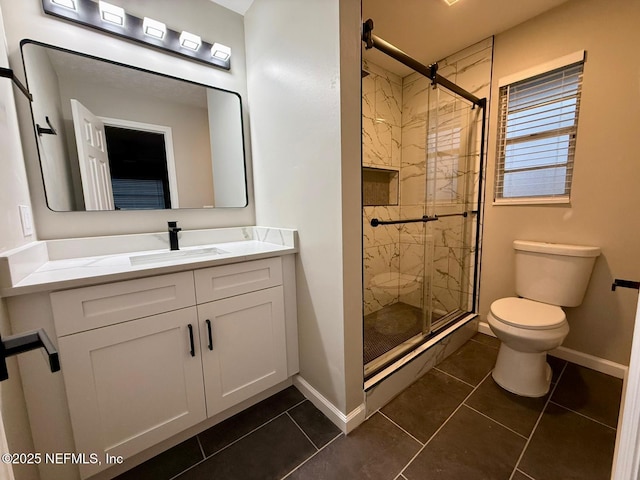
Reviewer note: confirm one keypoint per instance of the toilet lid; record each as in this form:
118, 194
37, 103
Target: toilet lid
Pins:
523, 313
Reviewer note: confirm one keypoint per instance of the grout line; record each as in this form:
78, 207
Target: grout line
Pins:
444, 423
236, 441
294, 406
526, 475
204, 457
453, 376
227, 446
585, 416
394, 423
303, 432
243, 436
495, 421
482, 343
316, 453
201, 447
533, 431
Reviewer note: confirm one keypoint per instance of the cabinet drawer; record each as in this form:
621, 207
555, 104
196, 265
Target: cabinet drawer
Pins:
86, 308
229, 280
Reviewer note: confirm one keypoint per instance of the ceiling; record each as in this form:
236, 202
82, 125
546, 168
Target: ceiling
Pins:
429, 30
238, 6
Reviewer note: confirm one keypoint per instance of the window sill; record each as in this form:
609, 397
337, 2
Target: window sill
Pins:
533, 201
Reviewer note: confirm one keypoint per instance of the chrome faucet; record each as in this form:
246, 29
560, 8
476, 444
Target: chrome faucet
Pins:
173, 235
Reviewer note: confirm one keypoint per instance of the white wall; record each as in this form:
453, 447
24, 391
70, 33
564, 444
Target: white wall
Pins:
226, 148
25, 19
13, 192
303, 77
46, 104
605, 194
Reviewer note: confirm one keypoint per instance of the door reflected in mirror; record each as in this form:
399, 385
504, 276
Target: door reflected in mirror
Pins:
130, 139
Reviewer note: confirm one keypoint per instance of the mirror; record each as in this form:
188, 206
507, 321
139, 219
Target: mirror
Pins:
116, 137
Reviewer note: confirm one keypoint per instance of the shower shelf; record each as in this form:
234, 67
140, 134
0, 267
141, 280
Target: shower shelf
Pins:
379, 186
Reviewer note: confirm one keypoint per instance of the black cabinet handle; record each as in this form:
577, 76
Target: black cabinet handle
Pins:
193, 348
208, 322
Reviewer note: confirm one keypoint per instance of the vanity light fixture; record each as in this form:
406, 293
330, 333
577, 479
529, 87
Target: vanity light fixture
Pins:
111, 13
220, 51
190, 41
450, 2
70, 4
154, 28
113, 19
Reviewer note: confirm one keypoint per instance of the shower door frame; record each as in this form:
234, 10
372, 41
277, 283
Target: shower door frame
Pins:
374, 367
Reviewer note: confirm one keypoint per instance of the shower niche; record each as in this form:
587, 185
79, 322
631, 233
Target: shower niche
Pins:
379, 186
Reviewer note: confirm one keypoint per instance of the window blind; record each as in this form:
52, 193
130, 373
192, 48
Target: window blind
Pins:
537, 126
137, 194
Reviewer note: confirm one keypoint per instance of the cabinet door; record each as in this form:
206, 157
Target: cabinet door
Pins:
133, 384
248, 351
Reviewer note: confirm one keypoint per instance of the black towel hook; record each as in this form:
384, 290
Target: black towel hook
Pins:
46, 131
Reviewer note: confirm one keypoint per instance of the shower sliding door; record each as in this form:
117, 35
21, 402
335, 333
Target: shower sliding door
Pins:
453, 156
420, 159
396, 295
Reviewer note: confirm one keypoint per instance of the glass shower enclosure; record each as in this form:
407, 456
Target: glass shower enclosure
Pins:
422, 162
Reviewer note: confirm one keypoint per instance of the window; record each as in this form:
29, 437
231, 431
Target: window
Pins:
537, 126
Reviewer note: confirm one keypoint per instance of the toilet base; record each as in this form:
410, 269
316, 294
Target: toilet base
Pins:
523, 373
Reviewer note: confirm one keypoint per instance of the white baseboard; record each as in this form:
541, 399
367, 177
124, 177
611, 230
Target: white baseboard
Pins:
583, 359
347, 422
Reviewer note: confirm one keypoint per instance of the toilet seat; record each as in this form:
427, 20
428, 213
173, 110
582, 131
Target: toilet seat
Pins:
527, 314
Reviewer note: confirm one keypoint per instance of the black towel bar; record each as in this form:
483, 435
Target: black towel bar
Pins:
24, 342
625, 284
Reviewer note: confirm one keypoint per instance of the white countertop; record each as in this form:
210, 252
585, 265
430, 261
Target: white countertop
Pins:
31, 270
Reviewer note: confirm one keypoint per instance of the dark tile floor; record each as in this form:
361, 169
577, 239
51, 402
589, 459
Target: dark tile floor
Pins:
454, 423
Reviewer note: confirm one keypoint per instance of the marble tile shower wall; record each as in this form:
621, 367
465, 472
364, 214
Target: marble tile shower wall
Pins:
433, 140
381, 139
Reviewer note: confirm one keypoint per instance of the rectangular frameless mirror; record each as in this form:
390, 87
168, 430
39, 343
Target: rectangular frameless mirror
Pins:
116, 137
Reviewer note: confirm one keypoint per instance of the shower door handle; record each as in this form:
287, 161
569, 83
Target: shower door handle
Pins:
424, 219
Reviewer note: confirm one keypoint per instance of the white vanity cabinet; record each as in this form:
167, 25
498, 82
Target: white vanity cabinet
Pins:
242, 330
145, 359
246, 352
134, 384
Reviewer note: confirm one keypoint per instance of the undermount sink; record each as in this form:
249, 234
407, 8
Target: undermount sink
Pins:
172, 255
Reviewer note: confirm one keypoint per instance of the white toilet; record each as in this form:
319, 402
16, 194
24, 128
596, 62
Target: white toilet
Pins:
548, 275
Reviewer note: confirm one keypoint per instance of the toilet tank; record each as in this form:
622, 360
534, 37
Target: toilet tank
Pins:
553, 273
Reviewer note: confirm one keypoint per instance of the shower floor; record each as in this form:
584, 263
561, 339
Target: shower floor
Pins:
389, 327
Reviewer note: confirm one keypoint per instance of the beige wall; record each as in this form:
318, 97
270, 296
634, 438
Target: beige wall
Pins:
606, 188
